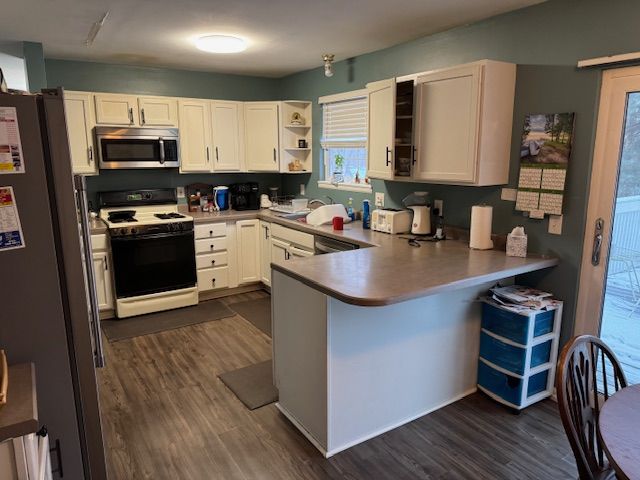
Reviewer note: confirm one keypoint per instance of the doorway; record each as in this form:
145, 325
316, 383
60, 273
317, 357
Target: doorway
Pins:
609, 296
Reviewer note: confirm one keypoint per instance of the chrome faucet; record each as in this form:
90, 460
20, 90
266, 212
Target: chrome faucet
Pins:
321, 202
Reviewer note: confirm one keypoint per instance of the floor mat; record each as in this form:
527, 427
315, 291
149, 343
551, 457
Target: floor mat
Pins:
253, 385
258, 312
122, 329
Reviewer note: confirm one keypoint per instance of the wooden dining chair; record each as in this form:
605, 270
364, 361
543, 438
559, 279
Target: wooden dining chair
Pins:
588, 374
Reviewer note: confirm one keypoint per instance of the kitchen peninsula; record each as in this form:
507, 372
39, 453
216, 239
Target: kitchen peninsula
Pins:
370, 339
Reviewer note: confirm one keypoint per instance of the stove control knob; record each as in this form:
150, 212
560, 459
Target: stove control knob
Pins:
181, 226
123, 231
133, 231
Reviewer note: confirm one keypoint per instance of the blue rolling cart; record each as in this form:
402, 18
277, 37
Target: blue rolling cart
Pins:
518, 353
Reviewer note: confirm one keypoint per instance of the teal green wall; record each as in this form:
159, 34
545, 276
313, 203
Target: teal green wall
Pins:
35, 66
101, 77
546, 41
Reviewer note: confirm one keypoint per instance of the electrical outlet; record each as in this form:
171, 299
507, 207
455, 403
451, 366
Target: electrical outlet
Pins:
555, 224
180, 192
509, 194
379, 199
439, 205
302, 190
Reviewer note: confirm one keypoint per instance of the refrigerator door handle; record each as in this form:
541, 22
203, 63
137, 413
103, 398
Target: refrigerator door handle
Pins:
83, 208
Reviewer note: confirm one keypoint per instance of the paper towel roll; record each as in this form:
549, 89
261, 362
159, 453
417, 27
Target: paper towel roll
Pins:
481, 217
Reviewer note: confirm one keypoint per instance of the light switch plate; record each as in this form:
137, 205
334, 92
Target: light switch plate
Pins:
555, 224
379, 199
509, 194
180, 192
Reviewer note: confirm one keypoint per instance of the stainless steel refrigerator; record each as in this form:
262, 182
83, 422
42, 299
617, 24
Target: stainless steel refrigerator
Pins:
48, 308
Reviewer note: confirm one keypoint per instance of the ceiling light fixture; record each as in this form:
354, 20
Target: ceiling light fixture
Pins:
328, 67
221, 44
95, 28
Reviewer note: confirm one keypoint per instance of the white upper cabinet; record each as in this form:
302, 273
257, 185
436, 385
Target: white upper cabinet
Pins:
381, 137
261, 136
464, 123
158, 111
227, 123
248, 238
195, 135
80, 122
115, 109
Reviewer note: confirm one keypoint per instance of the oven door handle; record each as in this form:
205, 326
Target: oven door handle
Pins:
152, 236
161, 142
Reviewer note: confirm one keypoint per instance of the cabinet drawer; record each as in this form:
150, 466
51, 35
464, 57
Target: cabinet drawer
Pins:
510, 388
99, 242
210, 245
514, 326
290, 235
510, 357
210, 230
208, 260
213, 278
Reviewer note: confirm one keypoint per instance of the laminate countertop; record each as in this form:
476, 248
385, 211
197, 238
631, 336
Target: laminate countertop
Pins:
386, 269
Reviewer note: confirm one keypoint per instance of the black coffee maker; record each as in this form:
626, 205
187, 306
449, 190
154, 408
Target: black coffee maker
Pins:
245, 196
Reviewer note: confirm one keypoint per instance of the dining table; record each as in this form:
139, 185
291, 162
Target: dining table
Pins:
619, 424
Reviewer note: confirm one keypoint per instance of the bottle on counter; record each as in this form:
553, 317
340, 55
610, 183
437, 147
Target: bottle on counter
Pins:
366, 215
350, 212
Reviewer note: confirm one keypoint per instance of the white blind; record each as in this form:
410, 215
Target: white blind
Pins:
344, 123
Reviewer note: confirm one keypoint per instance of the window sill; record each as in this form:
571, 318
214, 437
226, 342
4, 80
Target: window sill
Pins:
347, 187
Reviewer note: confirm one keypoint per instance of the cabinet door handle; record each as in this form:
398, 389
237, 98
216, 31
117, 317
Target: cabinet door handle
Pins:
211, 233
207, 154
144, 120
211, 246
213, 281
217, 158
413, 160
106, 265
274, 155
131, 115
266, 233
287, 255
90, 153
388, 159
213, 262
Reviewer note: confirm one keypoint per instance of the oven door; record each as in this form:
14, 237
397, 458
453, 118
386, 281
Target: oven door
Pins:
143, 150
153, 263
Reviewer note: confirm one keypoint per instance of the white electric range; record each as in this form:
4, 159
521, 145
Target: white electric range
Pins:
152, 249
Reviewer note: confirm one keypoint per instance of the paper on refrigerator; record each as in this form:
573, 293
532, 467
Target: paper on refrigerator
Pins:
11, 155
10, 229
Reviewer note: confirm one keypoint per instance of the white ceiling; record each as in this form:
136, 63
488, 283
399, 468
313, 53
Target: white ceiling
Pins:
284, 36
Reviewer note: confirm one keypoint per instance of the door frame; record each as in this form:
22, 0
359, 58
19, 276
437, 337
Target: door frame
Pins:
616, 83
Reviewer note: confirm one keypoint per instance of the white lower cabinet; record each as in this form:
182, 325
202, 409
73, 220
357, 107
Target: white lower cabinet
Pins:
102, 270
265, 252
287, 243
248, 241
214, 247
213, 278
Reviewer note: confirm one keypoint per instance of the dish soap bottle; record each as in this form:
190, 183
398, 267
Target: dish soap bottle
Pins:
350, 211
366, 215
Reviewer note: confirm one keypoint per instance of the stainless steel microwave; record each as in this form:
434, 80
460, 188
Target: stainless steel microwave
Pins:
138, 147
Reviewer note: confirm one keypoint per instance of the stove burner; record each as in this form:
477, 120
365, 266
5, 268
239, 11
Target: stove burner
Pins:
168, 216
121, 216
122, 219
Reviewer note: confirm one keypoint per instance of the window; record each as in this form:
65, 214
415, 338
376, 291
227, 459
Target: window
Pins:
344, 141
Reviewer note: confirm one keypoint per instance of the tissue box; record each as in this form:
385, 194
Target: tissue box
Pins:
516, 245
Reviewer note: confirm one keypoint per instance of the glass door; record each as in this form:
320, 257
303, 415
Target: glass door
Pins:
610, 273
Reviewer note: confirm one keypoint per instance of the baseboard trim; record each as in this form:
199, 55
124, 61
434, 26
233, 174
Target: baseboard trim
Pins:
302, 430
204, 296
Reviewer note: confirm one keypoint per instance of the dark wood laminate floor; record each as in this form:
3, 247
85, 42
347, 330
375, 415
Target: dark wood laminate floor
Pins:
166, 415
